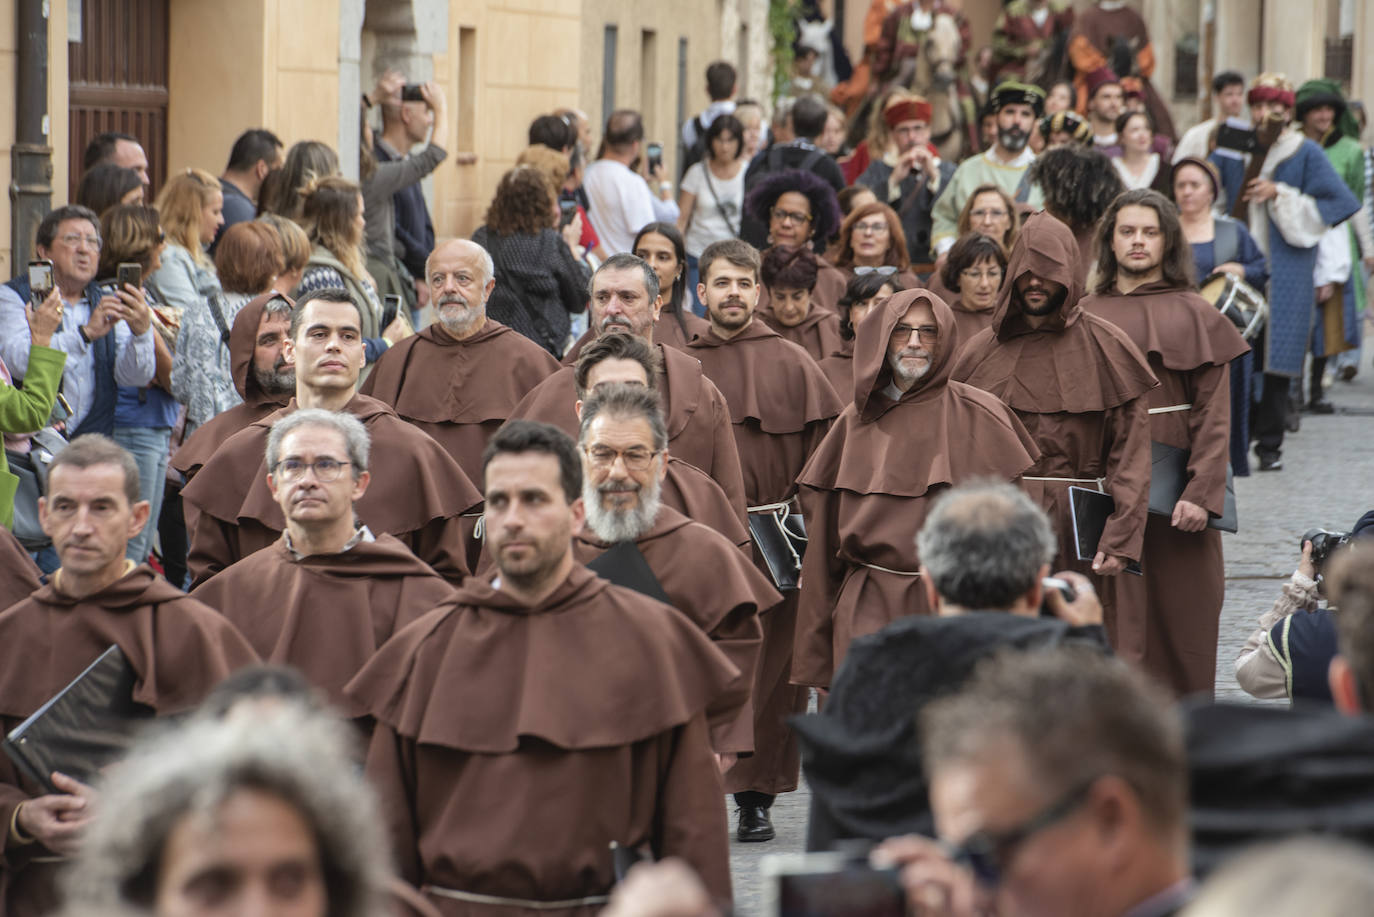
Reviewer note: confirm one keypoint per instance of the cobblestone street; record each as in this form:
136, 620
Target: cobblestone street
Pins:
1327, 482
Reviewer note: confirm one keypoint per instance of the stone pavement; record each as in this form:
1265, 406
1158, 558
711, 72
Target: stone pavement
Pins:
1327, 482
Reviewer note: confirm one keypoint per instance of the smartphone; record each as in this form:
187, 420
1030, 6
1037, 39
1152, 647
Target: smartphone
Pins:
391, 305
829, 884
411, 92
566, 211
129, 272
40, 280
655, 151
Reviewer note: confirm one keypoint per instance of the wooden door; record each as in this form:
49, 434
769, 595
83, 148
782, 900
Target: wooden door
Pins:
118, 81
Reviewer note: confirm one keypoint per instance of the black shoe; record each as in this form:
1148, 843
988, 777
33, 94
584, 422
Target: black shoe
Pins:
754, 824
1321, 406
1293, 422
1347, 373
1270, 463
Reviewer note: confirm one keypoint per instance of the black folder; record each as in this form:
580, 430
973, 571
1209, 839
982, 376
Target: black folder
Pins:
1090, 510
782, 544
1169, 477
624, 565
89, 724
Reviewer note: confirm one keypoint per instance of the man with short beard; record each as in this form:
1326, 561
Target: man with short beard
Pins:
1079, 386
1106, 101
909, 435
1017, 107
263, 374
461, 377
1169, 618
624, 443
781, 406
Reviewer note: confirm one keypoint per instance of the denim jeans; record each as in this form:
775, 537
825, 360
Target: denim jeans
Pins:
149, 448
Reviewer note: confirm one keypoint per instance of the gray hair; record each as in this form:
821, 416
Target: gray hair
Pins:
1299, 877
984, 544
355, 435
277, 305
625, 401
624, 261
305, 759
488, 266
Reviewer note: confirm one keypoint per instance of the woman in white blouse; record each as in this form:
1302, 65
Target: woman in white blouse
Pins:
712, 194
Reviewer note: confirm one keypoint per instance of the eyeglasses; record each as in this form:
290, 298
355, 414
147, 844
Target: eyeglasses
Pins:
984, 214
636, 458
326, 469
873, 229
987, 855
886, 270
926, 334
992, 273
74, 239
789, 216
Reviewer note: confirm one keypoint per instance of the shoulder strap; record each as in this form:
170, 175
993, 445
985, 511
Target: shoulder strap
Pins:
216, 304
811, 159
1023, 187
706, 174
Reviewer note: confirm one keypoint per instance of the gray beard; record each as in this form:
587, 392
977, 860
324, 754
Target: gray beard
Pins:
904, 379
612, 526
276, 383
457, 324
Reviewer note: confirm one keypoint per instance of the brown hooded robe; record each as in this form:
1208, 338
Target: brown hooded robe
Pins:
1077, 383
970, 321
868, 487
418, 494
818, 334
781, 406
1170, 619
514, 743
668, 330
830, 284
325, 614
726, 606
19, 575
178, 648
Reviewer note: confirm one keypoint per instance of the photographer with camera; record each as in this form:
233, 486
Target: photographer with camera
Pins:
1289, 654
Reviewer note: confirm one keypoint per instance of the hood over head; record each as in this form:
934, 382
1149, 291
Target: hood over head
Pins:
872, 373
1044, 247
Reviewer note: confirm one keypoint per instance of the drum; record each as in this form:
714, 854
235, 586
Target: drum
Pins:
1238, 301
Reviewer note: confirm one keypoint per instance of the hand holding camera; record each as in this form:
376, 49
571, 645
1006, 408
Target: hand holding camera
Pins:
45, 318
1071, 598
133, 308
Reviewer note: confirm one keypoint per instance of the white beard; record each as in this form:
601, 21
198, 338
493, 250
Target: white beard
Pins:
612, 526
904, 378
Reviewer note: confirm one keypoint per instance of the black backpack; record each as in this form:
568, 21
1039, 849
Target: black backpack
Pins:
694, 153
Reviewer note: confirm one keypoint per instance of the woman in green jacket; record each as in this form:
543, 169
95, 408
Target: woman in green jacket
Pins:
26, 409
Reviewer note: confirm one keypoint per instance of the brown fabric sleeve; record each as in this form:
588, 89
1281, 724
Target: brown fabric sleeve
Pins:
690, 821
214, 546
390, 766
440, 544
725, 464
731, 715
1084, 57
1209, 431
822, 574
1128, 478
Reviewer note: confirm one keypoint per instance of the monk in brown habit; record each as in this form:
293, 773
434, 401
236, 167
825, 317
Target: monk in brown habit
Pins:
460, 378
541, 714
177, 647
625, 300
624, 445
789, 276
910, 435
626, 358
19, 575
329, 592
781, 407
861, 296
1169, 618
1079, 386
263, 374
419, 501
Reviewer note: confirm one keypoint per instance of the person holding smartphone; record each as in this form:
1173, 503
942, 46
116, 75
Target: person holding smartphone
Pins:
622, 198
26, 409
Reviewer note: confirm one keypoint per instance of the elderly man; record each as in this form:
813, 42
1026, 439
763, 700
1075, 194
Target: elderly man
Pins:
1079, 386
1059, 785
1169, 618
264, 377
781, 405
910, 434
461, 377
911, 186
231, 512
1004, 164
329, 592
625, 299
542, 713
624, 442
178, 649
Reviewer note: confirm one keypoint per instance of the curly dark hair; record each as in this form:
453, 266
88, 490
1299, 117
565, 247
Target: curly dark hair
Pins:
1178, 254
825, 207
1078, 184
859, 288
789, 268
971, 248
523, 203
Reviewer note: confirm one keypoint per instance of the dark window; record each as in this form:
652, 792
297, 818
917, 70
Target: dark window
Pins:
608, 73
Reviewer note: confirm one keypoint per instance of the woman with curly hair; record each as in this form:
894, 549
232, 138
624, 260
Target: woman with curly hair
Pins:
799, 209
1079, 185
788, 273
872, 241
863, 294
539, 282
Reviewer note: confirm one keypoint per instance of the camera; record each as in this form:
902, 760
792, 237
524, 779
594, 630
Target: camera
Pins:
1323, 544
412, 92
838, 883
655, 151
1061, 586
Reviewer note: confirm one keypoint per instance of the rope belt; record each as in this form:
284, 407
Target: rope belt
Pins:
1171, 408
480, 527
474, 898
887, 570
785, 508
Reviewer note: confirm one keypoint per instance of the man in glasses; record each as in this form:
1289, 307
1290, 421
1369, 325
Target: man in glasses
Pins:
329, 592
624, 443
1059, 785
230, 512
909, 435
919, 175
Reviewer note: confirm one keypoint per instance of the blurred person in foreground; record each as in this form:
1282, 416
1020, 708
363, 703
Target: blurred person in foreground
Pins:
1306, 876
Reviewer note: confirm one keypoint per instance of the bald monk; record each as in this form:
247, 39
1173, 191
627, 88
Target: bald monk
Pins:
329, 592
420, 501
624, 444
263, 374
177, 647
626, 300
909, 436
780, 407
541, 714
